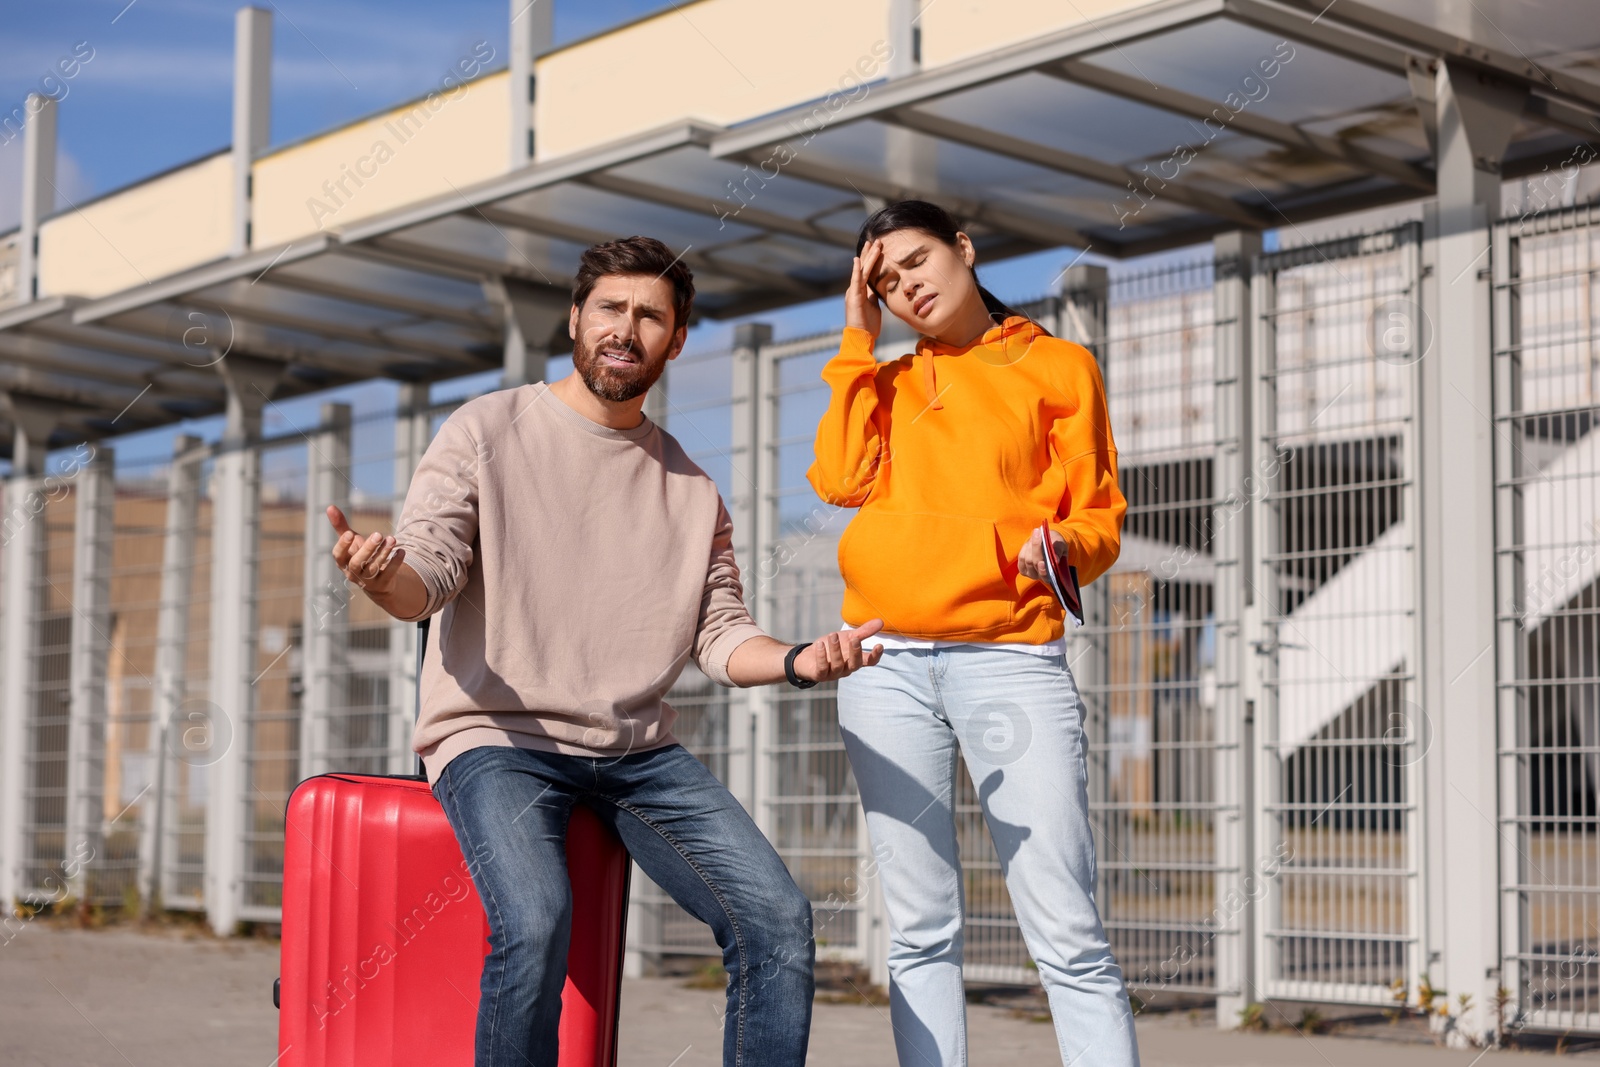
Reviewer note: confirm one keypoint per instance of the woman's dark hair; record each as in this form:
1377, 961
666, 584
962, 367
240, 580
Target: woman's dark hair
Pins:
935, 221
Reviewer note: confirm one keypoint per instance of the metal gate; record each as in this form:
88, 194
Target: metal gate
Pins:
181, 738
1547, 514
1159, 722
1336, 589
814, 810
699, 413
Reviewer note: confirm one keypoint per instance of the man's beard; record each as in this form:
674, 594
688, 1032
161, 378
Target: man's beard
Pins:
610, 382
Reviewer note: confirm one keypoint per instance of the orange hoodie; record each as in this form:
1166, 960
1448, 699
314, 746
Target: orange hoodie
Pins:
955, 456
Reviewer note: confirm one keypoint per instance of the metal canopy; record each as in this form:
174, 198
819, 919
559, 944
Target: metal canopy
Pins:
1144, 131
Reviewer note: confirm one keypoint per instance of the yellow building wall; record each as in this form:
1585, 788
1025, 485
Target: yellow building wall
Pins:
957, 29
159, 227
719, 61
453, 138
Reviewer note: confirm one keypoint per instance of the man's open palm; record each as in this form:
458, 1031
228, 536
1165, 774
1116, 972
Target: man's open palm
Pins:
839, 653
371, 562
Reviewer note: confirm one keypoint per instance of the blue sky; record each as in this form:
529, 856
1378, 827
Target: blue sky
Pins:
156, 91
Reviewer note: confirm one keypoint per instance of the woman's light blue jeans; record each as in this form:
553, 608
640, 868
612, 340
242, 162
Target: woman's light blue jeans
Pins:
1017, 719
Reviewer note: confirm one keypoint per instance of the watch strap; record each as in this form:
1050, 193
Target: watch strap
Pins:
788, 668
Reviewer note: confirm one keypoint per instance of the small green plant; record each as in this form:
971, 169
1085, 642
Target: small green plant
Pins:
1502, 1001
1253, 1017
1311, 1022
1426, 995
1463, 1008
1401, 995
711, 976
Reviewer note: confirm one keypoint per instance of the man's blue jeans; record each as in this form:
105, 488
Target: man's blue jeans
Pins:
509, 807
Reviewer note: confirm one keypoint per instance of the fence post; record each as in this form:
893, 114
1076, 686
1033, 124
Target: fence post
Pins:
1235, 854
655, 403
1256, 634
90, 650
1511, 470
221, 741
1456, 548
748, 709
1084, 307
172, 642
412, 430
325, 629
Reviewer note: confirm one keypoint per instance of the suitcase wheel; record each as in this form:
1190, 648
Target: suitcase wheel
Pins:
275, 983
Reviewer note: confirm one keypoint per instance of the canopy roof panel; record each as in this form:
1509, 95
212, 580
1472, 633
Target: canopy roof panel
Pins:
1152, 128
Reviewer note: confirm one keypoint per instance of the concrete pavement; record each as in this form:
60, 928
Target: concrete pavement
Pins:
120, 997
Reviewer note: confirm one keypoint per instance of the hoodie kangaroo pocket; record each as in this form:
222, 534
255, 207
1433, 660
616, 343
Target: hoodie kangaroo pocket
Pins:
926, 575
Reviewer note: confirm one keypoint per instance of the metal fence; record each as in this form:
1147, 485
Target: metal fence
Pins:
695, 402
812, 809
1249, 671
182, 734
45, 798
1337, 579
1547, 483
1146, 662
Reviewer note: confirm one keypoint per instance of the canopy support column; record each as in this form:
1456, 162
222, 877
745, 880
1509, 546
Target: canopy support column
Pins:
23, 590
1476, 116
252, 111
222, 744
533, 318
38, 189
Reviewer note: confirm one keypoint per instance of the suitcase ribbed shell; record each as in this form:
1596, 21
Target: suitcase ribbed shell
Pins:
384, 935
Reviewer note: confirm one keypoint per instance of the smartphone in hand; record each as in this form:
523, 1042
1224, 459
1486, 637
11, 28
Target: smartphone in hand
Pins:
1063, 577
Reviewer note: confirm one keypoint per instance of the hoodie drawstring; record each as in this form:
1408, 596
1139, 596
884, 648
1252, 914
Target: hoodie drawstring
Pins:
929, 380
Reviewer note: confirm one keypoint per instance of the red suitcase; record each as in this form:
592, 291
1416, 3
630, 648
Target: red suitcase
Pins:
384, 935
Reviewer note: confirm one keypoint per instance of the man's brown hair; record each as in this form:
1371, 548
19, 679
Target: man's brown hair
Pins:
637, 255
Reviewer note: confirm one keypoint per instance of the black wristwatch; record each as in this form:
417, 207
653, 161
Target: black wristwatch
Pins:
788, 668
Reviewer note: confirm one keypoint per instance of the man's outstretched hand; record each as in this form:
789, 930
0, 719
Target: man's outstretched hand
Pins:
839, 653
371, 562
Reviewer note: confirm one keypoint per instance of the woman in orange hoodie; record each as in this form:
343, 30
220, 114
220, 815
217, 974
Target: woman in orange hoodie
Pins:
955, 456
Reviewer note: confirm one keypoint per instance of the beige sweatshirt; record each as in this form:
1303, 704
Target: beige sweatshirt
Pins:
575, 570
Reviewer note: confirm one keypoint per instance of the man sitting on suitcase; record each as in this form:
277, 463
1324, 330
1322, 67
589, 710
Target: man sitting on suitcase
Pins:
578, 559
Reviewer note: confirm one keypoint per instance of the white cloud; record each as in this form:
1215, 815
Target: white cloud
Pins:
72, 184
